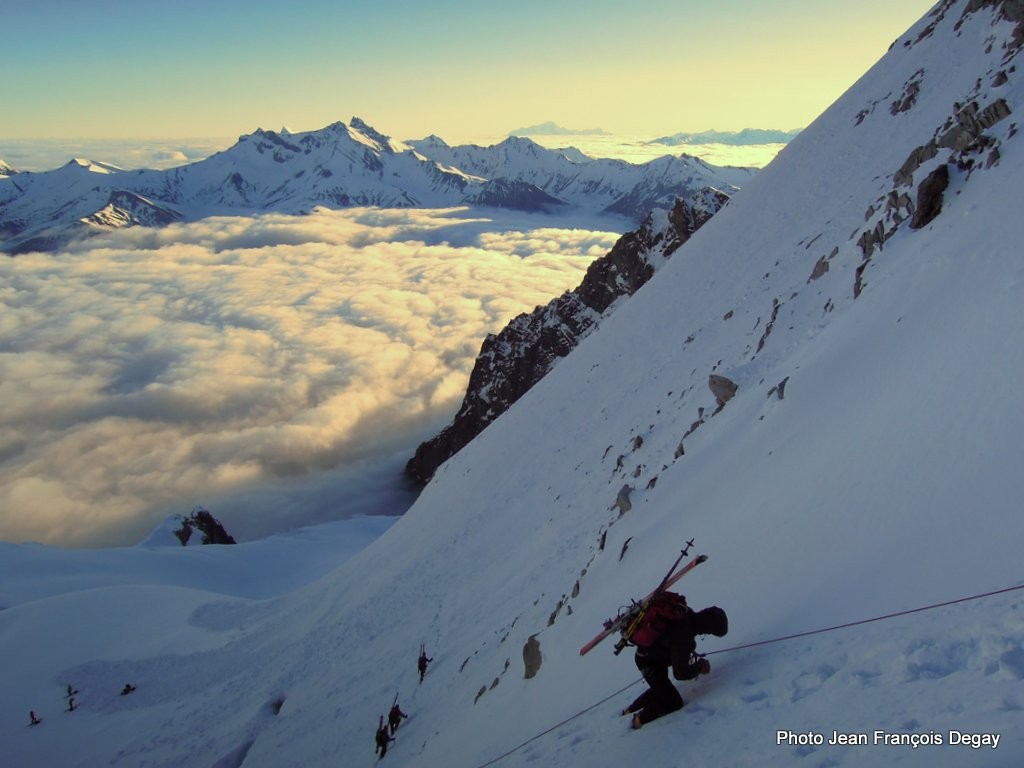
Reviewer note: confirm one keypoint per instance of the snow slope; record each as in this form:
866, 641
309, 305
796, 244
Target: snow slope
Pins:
886, 478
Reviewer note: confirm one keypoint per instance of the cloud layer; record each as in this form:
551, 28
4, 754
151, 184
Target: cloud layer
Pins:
277, 370
47, 154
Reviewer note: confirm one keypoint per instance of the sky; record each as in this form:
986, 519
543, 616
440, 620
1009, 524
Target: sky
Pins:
460, 69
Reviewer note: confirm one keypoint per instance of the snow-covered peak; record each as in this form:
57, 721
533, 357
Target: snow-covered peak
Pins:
521, 145
363, 132
433, 141
574, 155
91, 166
164, 535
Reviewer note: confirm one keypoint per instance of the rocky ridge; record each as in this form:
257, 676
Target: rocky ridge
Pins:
513, 360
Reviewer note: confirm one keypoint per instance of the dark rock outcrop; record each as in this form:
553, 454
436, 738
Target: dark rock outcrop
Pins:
209, 526
968, 144
126, 209
531, 657
722, 388
515, 194
515, 359
929, 197
622, 500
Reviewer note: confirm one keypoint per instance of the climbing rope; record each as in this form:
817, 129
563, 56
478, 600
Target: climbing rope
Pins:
866, 621
555, 727
808, 633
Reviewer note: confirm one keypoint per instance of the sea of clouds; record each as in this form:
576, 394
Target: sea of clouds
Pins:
277, 370
642, 149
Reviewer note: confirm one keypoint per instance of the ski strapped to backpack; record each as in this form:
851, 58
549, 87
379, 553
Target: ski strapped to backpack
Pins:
628, 621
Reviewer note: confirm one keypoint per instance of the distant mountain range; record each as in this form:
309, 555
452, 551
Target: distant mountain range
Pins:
745, 137
336, 167
614, 186
553, 129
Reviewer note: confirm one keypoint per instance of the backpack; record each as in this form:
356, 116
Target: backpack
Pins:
663, 609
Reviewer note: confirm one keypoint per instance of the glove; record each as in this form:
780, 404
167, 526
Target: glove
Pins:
703, 666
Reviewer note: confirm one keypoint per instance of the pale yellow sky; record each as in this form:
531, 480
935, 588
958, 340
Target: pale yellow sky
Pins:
114, 68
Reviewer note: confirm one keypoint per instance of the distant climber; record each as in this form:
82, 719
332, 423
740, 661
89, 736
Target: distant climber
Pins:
395, 717
71, 704
666, 636
33, 718
421, 664
382, 738
71, 691
128, 688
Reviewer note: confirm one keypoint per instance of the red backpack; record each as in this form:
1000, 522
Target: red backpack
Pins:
664, 608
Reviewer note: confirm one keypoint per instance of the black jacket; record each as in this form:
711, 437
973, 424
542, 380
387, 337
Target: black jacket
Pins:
674, 648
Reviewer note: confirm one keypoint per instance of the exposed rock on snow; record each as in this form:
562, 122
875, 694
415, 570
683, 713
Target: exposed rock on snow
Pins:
929, 197
622, 502
905, 175
531, 657
966, 135
779, 390
126, 209
821, 266
722, 388
519, 356
516, 195
201, 520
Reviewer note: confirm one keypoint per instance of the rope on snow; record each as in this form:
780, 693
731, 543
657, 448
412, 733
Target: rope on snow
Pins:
866, 621
756, 644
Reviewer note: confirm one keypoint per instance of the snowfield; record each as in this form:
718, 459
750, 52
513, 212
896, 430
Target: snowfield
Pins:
884, 477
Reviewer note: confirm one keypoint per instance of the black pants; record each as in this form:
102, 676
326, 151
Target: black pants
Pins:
660, 698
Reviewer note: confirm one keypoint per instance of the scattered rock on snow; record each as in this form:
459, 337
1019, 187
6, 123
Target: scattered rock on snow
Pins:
531, 657
779, 389
625, 546
929, 197
821, 265
722, 388
622, 502
522, 353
